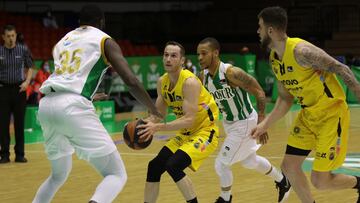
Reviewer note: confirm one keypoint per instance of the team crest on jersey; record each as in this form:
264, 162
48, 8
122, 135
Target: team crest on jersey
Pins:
296, 130
67, 43
178, 98
290, 69
204, 145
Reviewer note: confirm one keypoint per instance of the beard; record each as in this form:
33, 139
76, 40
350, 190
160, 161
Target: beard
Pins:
265, 42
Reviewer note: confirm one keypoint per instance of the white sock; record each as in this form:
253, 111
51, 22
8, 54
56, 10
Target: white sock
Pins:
262, 165
60, 169
113, 170
276, 174
186, 188
151, 191
225, 195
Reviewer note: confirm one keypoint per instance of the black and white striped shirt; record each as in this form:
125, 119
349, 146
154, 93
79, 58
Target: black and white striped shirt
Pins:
13, 62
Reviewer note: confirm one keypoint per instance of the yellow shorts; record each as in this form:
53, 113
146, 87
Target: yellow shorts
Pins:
326, 132
198, 146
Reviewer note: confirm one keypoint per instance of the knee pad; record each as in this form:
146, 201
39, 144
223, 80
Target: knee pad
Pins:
250, 162
174, 171
220, 167
224, 172
176, 164
60, 177
156, 168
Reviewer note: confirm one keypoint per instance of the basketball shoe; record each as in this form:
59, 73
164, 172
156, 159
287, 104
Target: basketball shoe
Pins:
221, 200
284, 189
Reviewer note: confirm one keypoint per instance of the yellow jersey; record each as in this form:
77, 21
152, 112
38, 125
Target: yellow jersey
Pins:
207, 112
313, 88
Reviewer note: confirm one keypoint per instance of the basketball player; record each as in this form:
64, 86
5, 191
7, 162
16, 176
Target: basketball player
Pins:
196, 113
229, 86
308, 73
67, 115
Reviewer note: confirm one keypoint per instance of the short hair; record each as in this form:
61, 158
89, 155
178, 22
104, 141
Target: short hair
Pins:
182, 49
9, 27
91, 15
214, 44
274, 16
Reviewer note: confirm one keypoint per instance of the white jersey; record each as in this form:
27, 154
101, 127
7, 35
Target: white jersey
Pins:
234, 103
80, 62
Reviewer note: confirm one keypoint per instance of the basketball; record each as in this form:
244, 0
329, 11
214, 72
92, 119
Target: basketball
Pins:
131, 137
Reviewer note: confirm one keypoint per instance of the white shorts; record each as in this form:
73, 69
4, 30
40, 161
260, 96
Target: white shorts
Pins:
238, 144
69, 124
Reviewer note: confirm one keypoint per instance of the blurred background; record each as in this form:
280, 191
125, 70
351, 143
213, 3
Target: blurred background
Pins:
143, 27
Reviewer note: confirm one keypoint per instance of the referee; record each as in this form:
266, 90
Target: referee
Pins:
15, 76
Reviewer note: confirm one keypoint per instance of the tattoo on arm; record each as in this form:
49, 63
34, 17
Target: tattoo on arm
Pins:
308, 55
243, 77
311, 56
260, 104
249, 84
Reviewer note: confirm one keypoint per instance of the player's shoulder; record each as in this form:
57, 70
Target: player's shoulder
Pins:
224, 67
191, 81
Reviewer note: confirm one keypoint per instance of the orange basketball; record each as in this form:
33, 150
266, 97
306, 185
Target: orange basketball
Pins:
131, 136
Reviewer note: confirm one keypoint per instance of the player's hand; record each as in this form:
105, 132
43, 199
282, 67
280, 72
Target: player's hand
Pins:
23, 86
100, 96
258, 131
147, 130
152, 118
157, 115
263, 138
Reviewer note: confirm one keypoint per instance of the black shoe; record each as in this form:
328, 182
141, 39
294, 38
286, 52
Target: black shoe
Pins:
21, 160
284, 189
4, 160
221, 200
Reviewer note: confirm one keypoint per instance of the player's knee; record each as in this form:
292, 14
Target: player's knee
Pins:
220, 167
289, 168
154, 170
174, 170
319, 182
250, 162
60, 177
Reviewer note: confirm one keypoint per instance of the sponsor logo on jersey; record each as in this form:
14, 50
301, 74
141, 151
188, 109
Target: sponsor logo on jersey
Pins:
223, 94
290, 82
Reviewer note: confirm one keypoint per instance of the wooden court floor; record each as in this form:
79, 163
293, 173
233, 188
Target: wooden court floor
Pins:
19, 182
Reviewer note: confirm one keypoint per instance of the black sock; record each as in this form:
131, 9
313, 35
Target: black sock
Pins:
357, 185
192, 200
92, 201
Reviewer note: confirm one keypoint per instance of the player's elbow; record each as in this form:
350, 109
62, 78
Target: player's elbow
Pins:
260, 94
